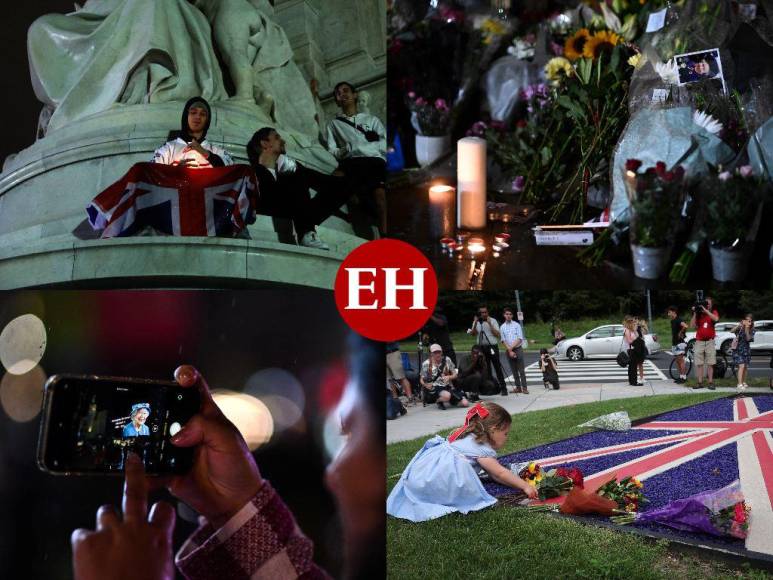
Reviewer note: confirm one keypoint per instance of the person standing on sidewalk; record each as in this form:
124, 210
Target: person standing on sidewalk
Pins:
630, 335
678, 345
395, 370
512, 338
704, 317
436, 331
486, 329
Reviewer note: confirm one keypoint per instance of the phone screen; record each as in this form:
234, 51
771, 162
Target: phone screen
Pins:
90, 424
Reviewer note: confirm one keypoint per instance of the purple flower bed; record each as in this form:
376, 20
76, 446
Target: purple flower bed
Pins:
587, 466
592, 440
713, 470
764, 403
717, 410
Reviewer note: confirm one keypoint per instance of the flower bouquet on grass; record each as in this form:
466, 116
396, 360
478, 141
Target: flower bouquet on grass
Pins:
721, 512
627, 493
551, 483
656, 197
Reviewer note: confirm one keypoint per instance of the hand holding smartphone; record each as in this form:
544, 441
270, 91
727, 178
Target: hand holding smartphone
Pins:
91, 423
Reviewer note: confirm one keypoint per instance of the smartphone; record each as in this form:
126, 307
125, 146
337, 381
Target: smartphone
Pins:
89, 425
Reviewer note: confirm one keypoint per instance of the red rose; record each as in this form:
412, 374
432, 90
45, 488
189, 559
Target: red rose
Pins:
660, 169
521, 123
577, 477
632, 165
740, 513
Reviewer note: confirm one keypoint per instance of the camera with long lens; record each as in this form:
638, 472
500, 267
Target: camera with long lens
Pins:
700, 304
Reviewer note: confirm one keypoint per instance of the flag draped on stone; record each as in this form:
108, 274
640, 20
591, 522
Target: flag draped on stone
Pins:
177, 201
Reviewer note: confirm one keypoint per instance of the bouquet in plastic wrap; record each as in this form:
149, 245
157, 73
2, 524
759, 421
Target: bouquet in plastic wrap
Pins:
627, 493
550, 483
721, 512
619, 421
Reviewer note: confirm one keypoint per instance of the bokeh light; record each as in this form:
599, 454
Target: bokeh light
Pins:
251, 416
21, 396
22, 344
282, 393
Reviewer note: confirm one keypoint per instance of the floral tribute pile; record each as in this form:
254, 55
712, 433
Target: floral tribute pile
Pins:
703, 474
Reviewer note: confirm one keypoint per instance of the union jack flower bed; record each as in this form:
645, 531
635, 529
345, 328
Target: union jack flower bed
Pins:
677, 455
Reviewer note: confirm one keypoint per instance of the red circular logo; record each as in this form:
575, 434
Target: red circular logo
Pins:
386, 290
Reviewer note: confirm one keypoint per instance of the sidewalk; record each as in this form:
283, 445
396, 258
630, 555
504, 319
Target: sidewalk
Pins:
421, 421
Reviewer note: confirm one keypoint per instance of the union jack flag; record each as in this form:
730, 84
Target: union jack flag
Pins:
177, 201
681, 453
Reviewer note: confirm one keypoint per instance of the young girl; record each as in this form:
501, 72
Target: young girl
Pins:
443, 476
549, 368
742, 355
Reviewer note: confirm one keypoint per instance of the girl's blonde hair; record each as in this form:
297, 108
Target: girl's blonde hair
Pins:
497, 419
628, 322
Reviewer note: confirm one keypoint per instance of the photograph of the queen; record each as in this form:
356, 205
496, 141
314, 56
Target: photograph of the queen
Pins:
137, 428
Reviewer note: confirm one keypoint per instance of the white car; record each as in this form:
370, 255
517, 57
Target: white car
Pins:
763, 337
604, 341
722, 340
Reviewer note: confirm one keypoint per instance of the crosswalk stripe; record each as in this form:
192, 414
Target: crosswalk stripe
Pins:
574, 372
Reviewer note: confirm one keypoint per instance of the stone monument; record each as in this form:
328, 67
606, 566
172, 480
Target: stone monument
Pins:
113, 77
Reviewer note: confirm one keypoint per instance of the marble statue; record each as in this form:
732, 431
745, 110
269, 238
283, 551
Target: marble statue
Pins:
112, 52
129, 52
260, 61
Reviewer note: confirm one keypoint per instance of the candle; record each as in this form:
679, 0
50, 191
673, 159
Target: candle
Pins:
502, 238
476, 245
471, 186
441, 210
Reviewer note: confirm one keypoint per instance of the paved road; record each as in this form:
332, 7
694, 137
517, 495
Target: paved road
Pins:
606, 370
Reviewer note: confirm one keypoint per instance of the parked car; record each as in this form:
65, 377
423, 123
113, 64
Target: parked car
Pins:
722, 340
604, 341
763, 337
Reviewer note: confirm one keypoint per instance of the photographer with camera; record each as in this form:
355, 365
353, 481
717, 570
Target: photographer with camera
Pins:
475, 379
704, 317
487, 330
549, 368
437, 375
358, 141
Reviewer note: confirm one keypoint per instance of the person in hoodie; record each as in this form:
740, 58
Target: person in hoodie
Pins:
191, 149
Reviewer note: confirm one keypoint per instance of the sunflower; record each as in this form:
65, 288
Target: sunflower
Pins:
602, 41
574, 44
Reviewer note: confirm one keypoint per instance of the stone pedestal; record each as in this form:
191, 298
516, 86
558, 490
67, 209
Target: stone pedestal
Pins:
45, 240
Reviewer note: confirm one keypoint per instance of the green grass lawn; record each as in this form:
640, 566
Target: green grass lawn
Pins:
507, 542
538, 333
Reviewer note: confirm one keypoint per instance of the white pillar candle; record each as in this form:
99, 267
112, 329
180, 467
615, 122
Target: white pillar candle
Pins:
441, 210
471, 185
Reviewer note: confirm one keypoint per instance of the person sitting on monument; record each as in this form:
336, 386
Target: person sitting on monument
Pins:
284, 187
358, 141
191, 149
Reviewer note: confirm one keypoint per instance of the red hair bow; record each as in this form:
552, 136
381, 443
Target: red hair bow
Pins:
476, 410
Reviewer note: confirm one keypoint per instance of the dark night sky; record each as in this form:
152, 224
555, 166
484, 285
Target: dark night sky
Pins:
18, 100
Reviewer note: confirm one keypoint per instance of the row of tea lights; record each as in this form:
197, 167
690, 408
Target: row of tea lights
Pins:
475, 245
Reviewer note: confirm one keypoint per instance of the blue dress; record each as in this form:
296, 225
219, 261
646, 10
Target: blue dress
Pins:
442, 478
742, 355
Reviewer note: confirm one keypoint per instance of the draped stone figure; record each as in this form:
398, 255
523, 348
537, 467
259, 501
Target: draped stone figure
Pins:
128, 52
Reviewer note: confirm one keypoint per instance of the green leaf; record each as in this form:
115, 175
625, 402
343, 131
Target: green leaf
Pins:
584, 70
574, 109
545, 155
